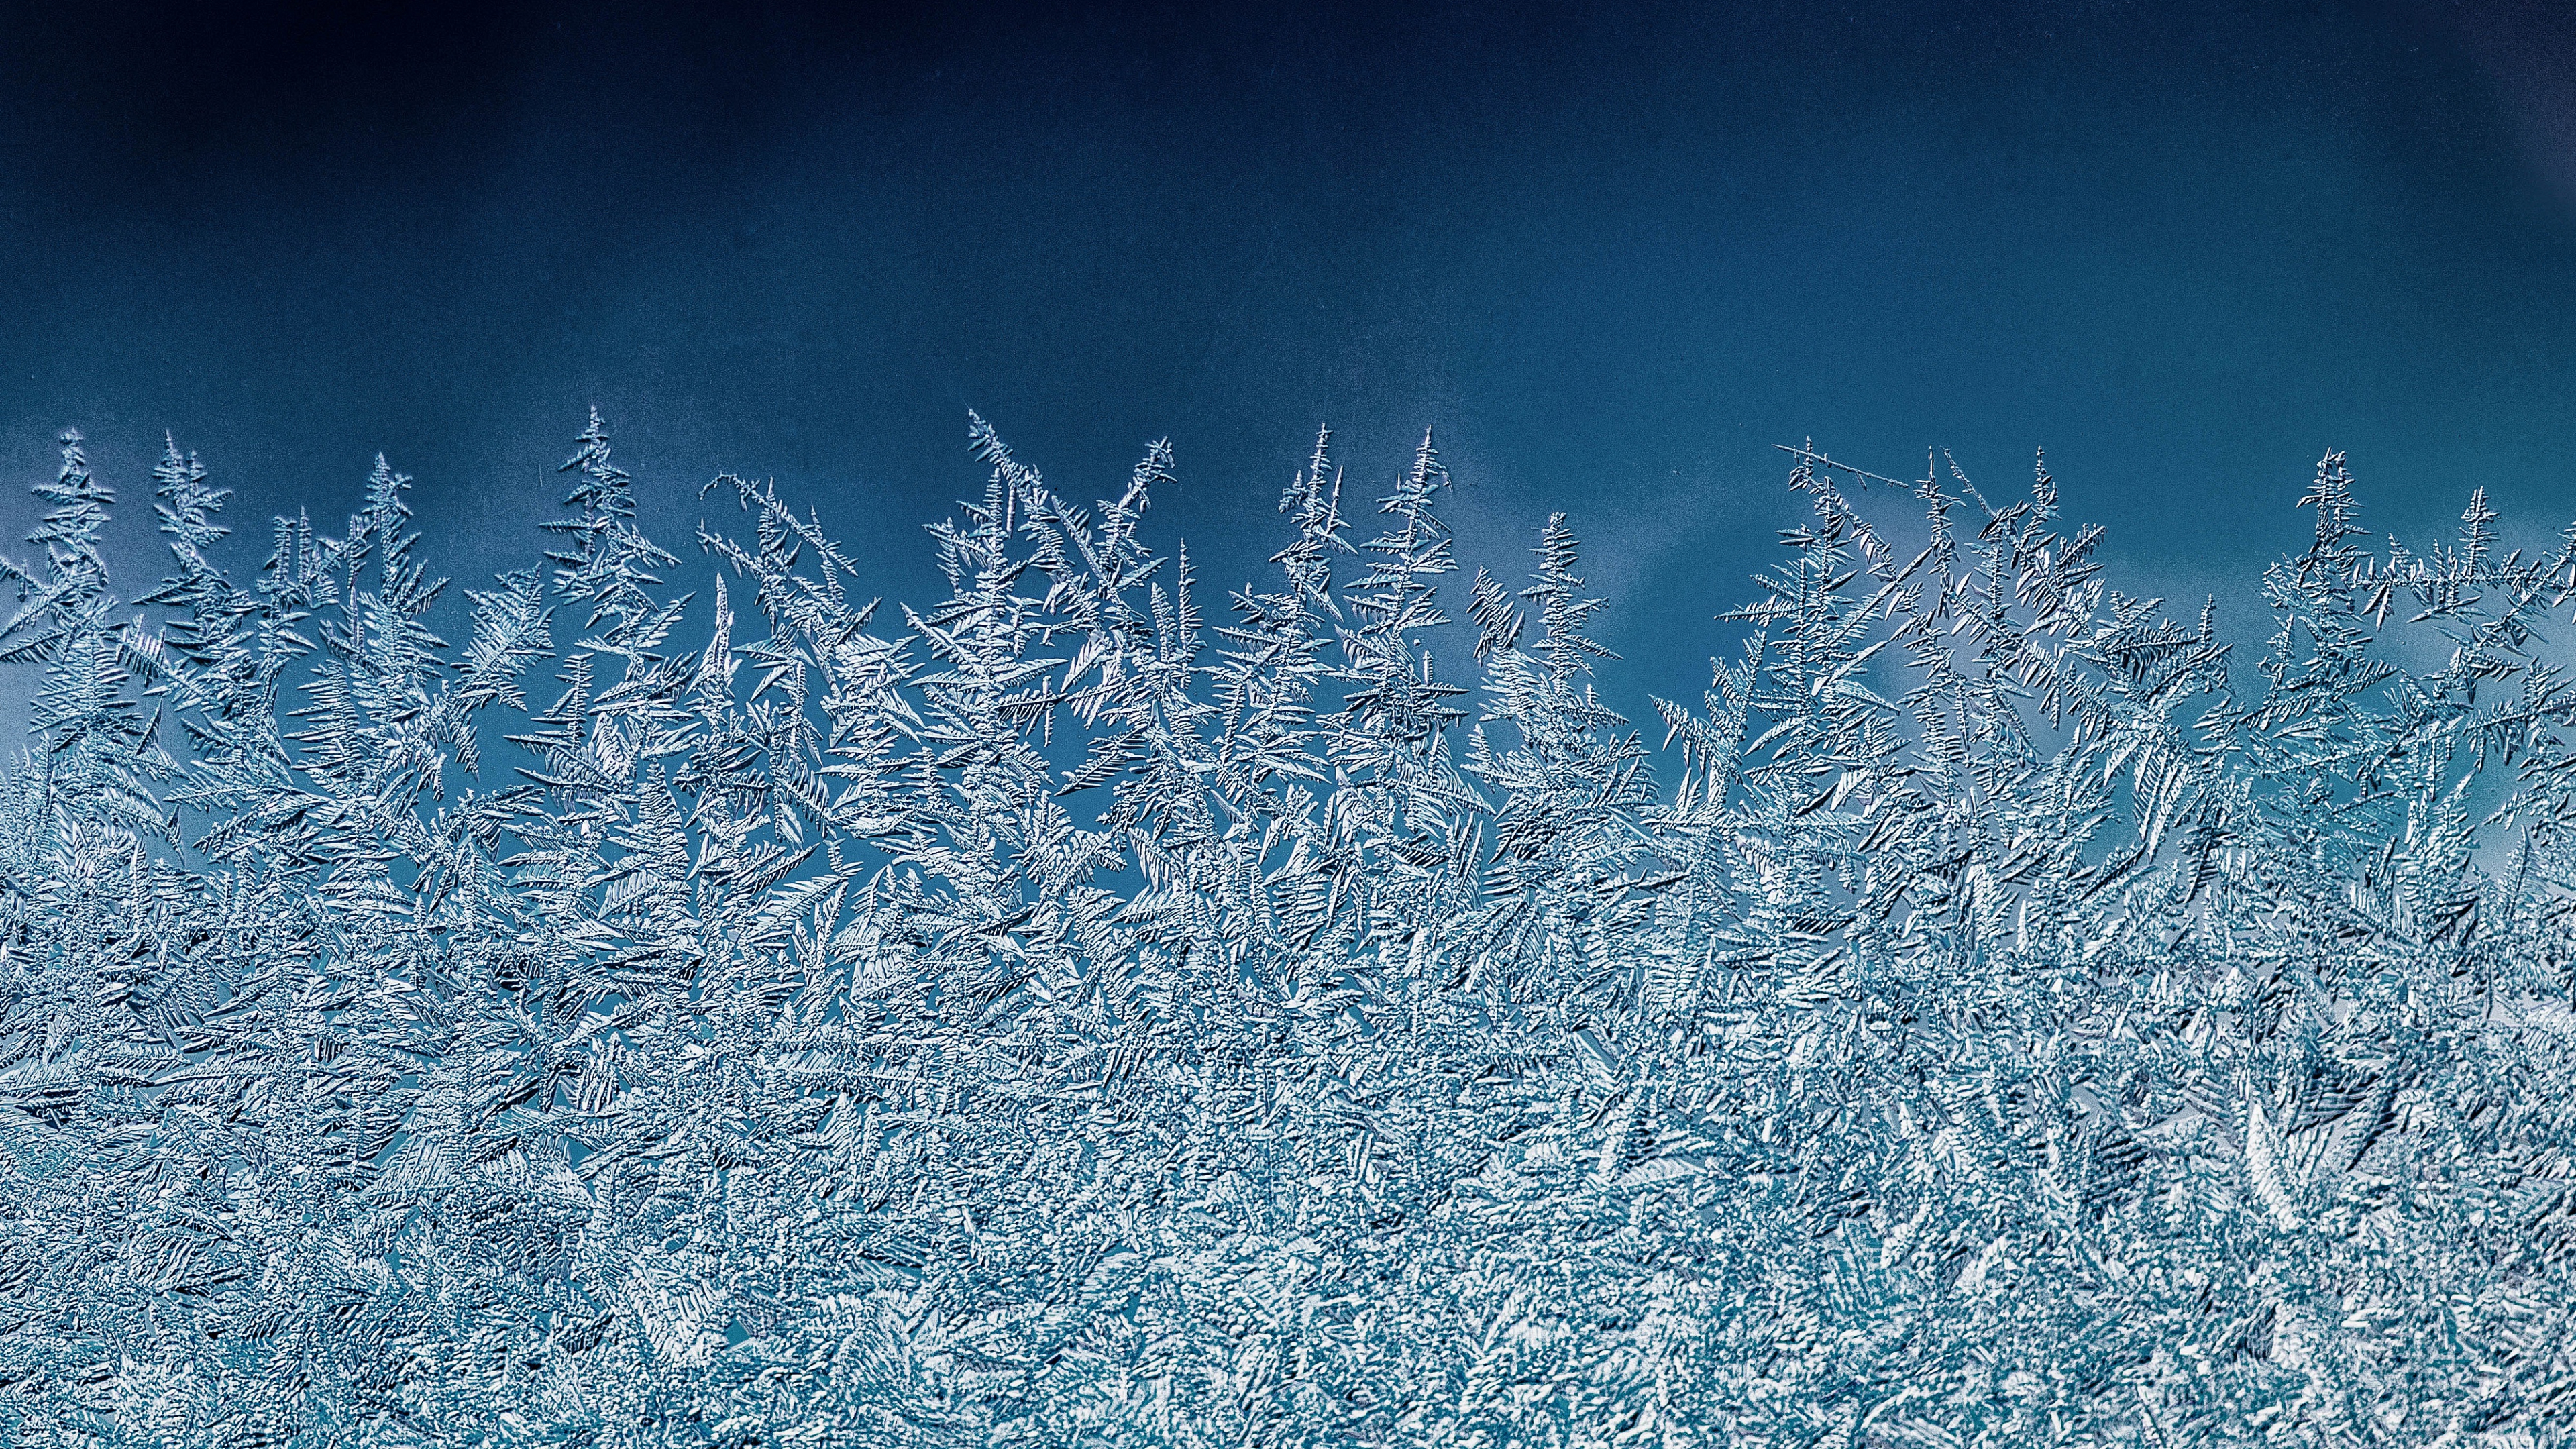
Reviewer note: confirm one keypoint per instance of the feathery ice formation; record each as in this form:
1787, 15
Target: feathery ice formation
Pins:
1055, 1018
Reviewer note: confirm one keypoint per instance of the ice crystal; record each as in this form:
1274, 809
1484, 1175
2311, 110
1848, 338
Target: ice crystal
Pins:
1047, 1016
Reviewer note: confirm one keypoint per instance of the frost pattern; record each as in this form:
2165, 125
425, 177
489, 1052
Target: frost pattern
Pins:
1051, 1017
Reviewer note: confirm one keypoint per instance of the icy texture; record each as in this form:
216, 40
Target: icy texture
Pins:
1052, 1017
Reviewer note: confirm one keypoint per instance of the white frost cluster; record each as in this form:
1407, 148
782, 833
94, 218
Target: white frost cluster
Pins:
1053, 1018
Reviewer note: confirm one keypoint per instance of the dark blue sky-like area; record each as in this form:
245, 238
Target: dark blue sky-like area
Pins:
1612, 253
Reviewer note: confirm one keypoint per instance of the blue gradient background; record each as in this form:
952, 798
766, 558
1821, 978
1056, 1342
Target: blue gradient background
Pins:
1612, 254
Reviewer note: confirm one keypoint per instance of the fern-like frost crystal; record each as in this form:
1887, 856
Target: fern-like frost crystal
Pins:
1994, 1014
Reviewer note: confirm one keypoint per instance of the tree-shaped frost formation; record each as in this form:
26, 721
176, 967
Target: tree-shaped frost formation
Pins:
1046, 1015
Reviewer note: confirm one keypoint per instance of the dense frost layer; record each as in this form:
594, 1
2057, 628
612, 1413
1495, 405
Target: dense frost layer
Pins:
1056, 1017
